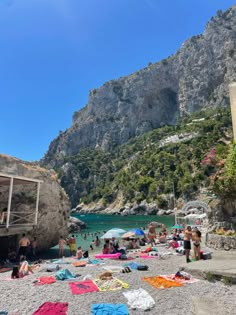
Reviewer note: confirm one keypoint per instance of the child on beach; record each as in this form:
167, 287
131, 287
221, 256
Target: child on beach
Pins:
79, 253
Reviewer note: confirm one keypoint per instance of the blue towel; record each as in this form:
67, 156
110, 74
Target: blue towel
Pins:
95, 261
64, 274
3, 313
60, 261
133, 265
109, 309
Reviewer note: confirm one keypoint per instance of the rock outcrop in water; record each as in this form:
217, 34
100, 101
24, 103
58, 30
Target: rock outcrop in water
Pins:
197, 76
54, 205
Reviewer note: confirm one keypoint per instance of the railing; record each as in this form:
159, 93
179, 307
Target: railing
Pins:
19, 218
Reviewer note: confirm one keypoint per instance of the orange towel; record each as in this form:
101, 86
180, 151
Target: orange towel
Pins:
162, 283
79, 263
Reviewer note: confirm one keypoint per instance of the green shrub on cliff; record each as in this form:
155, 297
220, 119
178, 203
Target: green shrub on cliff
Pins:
151, 166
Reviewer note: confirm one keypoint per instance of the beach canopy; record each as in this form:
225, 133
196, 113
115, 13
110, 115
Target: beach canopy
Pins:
129, 235
112, 233
177, 226
137, 232
134, 233
121, 231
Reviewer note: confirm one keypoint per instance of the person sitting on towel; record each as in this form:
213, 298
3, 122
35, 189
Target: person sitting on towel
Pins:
111, 249
105, 249
79, 253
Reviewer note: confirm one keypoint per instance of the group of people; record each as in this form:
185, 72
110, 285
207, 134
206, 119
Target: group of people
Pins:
195, 236
27, 249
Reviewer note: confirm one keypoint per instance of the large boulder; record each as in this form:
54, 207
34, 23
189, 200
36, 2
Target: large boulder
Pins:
54, 205
75, 225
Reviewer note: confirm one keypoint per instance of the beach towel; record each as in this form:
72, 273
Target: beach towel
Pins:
3, 313
64, 274
79, 263
179, 279
111, 284
51, 308
111, 256
109, 309
83, 287
45, 280
60, 261
113, 268
52, 267
132, 265
139, 298
146, 256
161, 283
96, 261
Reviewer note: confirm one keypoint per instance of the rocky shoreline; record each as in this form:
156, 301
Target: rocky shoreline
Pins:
143, 208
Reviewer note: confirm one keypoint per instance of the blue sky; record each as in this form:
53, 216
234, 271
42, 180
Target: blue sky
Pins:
52, 52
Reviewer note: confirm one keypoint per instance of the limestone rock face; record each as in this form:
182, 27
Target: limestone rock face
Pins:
54, 205
197, 76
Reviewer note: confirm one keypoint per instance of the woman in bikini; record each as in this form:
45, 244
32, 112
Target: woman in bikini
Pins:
196, 244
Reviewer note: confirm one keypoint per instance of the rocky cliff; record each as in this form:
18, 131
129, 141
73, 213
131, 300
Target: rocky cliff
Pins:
54, 206
197, 76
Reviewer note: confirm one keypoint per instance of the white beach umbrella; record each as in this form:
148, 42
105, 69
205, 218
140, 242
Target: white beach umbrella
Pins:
110, 234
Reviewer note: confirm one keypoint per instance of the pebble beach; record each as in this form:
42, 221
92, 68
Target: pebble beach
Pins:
22, 297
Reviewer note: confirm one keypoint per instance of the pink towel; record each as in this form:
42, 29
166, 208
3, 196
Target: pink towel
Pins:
145, 256
50, 308
82, 287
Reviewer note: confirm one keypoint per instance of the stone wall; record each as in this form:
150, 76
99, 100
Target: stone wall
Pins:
220, 241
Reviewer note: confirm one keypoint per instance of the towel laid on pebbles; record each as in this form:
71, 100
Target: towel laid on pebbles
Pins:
51, 308
82, 287
140, 299
109, 309
45, 280
162, 283
64, 274
180, 279
111, 284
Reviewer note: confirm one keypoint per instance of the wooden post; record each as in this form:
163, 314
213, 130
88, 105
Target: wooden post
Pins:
37, 205
9, 202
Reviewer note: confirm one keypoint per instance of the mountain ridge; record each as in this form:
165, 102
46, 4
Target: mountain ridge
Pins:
196, 76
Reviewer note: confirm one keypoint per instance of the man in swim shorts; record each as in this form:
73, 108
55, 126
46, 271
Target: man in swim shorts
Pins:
24, 246
187, 242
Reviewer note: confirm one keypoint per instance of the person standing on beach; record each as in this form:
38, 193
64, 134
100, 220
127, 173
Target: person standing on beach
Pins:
196, 244
24, 246
61, 244
72, 245
187, 242
97, 242
152, 234
33, 247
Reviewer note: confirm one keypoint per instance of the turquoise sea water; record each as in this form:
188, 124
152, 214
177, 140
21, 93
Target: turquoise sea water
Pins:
103, 222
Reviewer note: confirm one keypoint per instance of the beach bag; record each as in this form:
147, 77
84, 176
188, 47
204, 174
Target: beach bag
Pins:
206, 255
142, 267
53, 267
85, 254
64, 274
